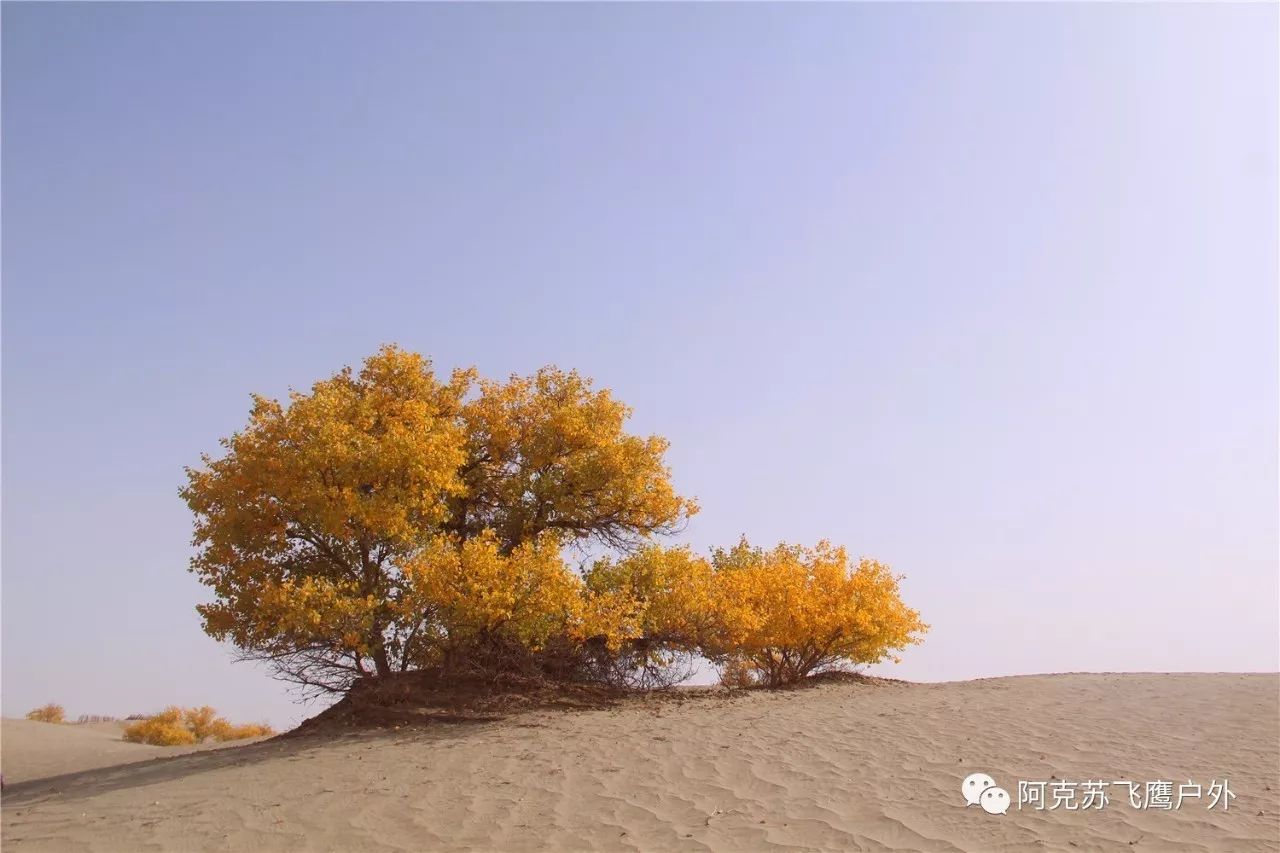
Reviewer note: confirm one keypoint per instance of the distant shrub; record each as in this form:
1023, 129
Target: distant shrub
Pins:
51, 713
738, 673
164, 729
176, 726
202, 722
243, 731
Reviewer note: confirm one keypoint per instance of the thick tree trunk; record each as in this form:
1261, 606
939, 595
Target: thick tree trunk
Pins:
380, 661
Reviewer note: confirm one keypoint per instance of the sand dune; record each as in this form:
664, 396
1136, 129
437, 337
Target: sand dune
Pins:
34, 750
837, 767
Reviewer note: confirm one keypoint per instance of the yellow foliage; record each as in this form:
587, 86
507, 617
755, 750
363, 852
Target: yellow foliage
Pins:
164, 729
738, 672
299, 521
201, 722
175, 726
475, 591
548, 453
387, 519
51, 713
662, 594
247, 730
792, 611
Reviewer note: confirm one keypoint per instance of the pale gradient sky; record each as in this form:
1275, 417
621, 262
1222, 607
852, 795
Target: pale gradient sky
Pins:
985, 292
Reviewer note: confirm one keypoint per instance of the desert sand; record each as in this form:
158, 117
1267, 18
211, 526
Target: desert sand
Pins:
843, 766
38, 750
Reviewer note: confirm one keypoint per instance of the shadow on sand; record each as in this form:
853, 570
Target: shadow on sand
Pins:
158, 771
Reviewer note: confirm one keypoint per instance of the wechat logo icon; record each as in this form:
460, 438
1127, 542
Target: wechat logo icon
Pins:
979, 789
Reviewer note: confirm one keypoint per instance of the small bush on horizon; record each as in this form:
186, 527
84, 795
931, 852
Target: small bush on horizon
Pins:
51, 713
175, 726
163, 729
202, 722
245, 730
738, 673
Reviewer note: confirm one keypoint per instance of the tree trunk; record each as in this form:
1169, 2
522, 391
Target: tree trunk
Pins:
380, 661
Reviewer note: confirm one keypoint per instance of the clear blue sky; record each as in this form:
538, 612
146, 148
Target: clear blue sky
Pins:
986, 292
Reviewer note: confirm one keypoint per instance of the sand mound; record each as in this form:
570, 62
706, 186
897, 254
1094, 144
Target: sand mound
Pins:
422, 698
849, 765
31, 750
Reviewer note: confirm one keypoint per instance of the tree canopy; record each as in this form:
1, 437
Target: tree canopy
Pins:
308, 522
390, 520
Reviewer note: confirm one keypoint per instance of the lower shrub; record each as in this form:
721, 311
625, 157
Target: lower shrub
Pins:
175, 726
164, 729
51, 713
738, 673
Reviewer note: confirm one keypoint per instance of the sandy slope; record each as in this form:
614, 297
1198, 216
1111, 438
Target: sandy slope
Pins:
840, 767
34, 750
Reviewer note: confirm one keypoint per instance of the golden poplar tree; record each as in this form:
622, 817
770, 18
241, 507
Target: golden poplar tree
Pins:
325, 528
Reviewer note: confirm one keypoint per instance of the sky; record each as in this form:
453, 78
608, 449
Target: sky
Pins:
988, 293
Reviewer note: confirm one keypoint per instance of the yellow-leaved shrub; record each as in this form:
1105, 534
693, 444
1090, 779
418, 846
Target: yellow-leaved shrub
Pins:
738, 673
242, 731
665, 593
793, 611
175, 726
51, 713
166, 728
